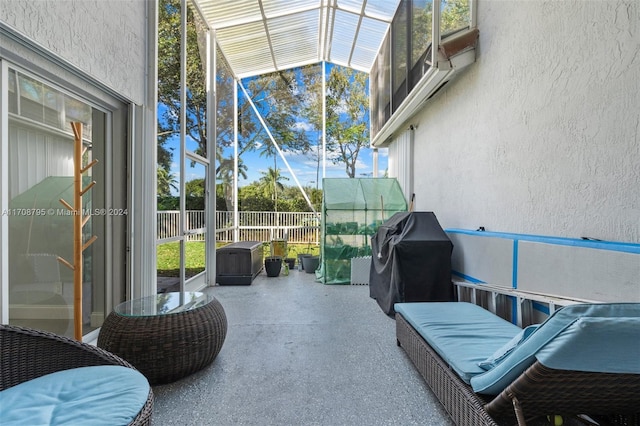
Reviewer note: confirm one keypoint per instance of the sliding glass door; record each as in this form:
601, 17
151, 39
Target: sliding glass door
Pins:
40, 179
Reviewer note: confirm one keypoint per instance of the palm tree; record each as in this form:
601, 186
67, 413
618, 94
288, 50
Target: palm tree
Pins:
166, 181
270, 182
224, 173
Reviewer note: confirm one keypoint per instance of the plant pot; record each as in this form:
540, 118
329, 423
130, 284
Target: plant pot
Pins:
310, 264
291, 261
272, 265
300, 257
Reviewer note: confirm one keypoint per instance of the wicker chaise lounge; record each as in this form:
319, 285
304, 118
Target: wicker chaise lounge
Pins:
532, 389
31, 354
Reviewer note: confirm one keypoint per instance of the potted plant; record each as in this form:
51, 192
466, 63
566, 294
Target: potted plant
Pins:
272, 265
310, 263
301, 256
291, 262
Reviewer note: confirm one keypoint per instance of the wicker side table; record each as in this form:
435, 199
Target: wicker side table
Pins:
166, 336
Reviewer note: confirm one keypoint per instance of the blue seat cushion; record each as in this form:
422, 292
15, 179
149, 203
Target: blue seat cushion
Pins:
103, 395
523, 355
594, 344
463, 334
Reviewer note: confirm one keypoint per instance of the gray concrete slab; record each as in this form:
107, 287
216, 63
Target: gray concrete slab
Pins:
299, 352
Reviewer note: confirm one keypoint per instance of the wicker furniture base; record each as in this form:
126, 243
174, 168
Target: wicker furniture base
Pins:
463, 405
167, 347
28, 354
539, 391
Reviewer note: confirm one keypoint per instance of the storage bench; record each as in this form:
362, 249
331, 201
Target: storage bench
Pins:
239, 263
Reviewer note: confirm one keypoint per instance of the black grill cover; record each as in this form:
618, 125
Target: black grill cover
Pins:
411, 261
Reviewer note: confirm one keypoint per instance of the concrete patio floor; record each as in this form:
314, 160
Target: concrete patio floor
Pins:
298, 352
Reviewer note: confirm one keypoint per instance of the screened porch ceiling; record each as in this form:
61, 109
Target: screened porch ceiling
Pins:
263, 36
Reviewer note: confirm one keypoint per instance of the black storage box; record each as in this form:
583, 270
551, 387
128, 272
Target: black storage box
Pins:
238, 263
411, 261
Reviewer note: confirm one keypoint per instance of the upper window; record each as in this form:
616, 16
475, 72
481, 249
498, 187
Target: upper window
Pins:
410, 57
43, 104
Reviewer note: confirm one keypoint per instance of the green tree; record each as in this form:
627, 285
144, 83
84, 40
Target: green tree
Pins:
194, 188
284, 98
168, 64
169, 90
347, 116
168, 202
271, 184
280, 97
276, 95
166, 181
194, 194
454, 15
252, 198
224, 173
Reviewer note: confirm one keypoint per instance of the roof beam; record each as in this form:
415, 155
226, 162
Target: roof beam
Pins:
268, 35
355, 35
331, 19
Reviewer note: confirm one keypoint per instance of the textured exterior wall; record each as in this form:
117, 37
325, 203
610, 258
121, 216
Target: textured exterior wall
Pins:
541, 134
104, 38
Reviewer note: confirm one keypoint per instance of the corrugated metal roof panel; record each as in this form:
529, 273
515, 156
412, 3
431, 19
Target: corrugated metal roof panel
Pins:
254, 33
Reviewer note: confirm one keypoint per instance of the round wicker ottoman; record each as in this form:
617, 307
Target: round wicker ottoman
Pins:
166, 336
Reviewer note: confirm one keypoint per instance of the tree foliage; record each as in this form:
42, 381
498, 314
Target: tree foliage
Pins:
285, 99
455, 15
347, 116
169, 90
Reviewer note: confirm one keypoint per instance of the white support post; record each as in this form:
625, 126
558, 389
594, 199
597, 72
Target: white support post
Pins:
4, 194
210, 181
324, 121
435, 34
183, 139
236, 221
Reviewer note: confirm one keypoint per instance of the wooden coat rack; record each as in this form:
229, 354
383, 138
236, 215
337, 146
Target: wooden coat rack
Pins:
79, 220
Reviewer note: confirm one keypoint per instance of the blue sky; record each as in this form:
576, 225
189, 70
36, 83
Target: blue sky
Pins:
304, 166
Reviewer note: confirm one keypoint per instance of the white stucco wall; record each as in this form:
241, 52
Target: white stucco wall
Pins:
541, 134
103, 38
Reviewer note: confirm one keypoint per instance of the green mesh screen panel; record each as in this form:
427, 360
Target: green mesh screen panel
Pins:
353, 209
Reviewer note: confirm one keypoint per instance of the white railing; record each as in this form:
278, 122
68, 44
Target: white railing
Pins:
295, 227
169, 224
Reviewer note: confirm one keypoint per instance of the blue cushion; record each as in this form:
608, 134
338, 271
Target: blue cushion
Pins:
104, 395
463, 334
505, 350
522, 356
606, 345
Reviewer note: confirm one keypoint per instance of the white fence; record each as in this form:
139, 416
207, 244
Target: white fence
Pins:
296, 227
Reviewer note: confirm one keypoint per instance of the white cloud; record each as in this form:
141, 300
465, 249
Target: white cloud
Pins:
305, 126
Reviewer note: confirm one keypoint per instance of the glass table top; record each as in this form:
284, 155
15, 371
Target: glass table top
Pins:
163, 304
